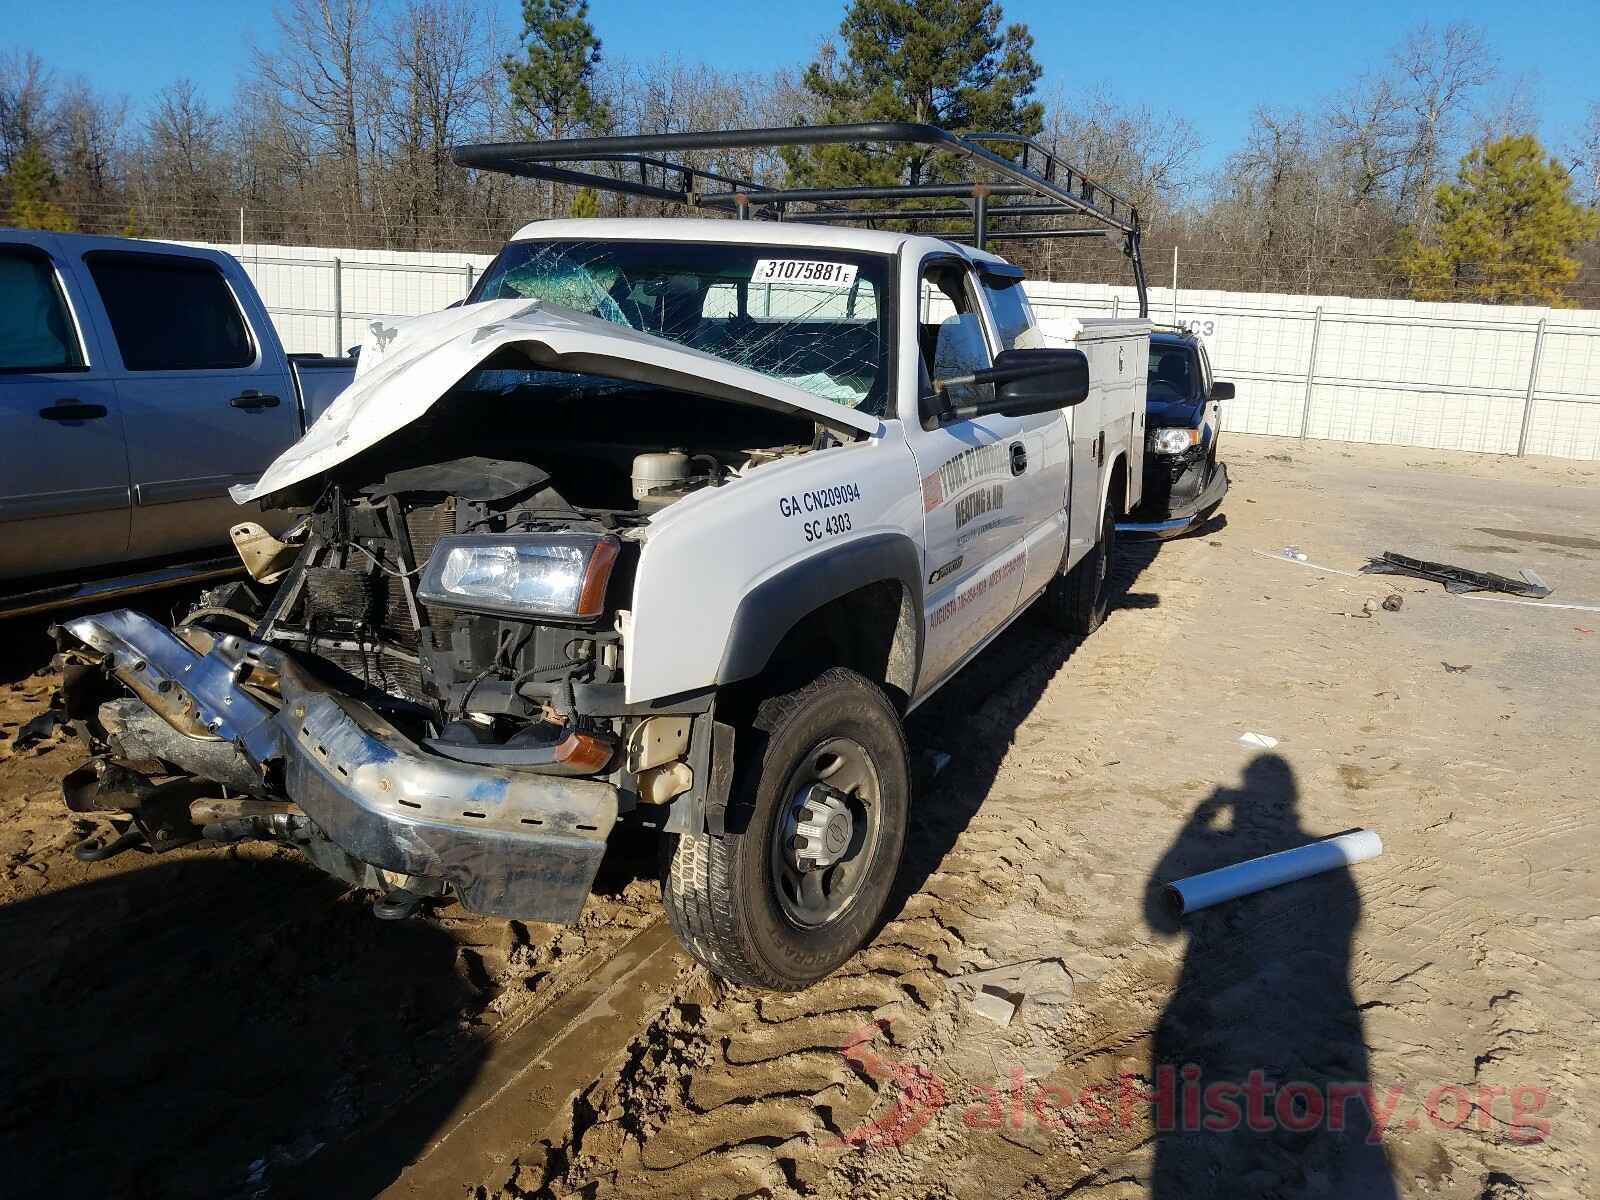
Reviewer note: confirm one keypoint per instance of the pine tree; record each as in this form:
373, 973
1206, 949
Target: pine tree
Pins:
33, 186
1505, 229
585, 203
551, 85
942, 62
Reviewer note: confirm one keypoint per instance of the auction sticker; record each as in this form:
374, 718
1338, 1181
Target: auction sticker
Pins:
804, 270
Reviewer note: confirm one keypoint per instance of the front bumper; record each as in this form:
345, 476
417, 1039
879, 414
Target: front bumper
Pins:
1170, 507
510, 843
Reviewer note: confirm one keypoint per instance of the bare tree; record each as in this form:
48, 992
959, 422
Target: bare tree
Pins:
26, 104
89, 133
323, 76
1442, 70
182, 175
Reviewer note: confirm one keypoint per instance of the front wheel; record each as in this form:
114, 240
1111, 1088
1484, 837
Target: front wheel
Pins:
825, 782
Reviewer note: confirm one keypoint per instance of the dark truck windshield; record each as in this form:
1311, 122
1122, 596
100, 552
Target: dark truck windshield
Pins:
811, 317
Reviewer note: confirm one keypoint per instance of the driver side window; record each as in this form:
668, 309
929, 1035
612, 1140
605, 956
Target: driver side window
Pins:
950, 333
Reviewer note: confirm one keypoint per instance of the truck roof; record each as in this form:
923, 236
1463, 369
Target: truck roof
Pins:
747, 233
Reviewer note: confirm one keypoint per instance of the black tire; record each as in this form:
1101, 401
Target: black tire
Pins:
721, 893
1077, 601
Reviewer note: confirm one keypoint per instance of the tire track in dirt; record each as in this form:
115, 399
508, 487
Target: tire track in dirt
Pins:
729, 1092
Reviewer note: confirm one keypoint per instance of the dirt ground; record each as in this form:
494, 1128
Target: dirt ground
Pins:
1422, 1024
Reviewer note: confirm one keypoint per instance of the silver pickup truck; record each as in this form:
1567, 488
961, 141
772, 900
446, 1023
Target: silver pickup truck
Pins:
138, 381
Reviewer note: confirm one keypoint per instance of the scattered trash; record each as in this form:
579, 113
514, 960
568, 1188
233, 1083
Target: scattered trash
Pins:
1296, 553
1454, 670
1257, 741
1369, 606
1393, 602
38, 729
1581, 629
1456, 579
1257, 874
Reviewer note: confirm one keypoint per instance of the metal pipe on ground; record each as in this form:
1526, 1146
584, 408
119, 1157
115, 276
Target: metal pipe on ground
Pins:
1257, 874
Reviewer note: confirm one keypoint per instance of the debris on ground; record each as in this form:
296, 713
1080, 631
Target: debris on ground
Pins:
1257, 741
1270, 870
1455, 670
995, 1004
998, 992
1457, 580
1296, 553
1393, 602
38, 729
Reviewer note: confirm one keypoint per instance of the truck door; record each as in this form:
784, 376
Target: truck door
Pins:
1042, 487
206, 394
974, 532
63, 462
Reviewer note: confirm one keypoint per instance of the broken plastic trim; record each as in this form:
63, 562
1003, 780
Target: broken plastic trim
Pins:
1455, 579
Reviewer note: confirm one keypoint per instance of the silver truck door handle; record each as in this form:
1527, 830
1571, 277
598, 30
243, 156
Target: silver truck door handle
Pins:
73, 410
253, 399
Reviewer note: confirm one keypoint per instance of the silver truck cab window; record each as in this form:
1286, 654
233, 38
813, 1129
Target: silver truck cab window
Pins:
950, 331
171, 313
1013, 318
36, 330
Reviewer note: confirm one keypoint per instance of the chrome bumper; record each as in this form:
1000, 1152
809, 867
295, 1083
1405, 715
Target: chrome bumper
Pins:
511, 843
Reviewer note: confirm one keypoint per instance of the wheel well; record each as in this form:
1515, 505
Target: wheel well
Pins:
874, 631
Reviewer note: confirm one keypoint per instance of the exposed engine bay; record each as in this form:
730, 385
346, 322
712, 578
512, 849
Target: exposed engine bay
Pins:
461, 581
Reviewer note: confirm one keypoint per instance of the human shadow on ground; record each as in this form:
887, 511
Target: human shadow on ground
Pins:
1263, 1005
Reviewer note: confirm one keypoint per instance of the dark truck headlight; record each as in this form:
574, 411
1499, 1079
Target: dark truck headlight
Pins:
1173, 441
520, 575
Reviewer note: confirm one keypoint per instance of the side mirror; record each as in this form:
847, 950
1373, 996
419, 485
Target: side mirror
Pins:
1025, 382
1221, 390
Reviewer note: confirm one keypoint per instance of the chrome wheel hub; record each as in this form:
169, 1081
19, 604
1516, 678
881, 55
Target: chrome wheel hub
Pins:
826, 836
823, 828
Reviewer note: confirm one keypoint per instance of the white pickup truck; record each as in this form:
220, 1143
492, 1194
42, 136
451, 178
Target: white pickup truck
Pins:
671, 524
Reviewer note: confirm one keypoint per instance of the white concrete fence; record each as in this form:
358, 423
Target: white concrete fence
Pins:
1498, 380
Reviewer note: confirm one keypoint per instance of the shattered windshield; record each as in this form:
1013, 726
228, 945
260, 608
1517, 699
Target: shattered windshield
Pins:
809, 316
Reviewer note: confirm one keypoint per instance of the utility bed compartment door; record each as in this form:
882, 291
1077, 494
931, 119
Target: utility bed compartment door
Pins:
1108, 423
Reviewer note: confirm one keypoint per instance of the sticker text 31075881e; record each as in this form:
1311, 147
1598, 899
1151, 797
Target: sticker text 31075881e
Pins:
806, 271
821, 511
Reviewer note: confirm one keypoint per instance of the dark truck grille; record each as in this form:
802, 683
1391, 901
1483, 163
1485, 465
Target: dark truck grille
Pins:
359, 603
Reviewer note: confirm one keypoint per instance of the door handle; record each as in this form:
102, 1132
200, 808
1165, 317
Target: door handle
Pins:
1019, 458
73, 409
252, 399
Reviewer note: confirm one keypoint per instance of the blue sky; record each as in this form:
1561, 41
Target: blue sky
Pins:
1211, 63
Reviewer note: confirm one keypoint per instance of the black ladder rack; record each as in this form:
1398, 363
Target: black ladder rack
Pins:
1057, 188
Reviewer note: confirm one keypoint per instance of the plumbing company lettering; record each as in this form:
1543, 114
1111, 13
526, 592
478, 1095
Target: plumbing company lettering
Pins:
984, 500
966, 468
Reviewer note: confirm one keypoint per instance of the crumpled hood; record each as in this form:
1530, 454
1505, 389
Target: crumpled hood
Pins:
407, 365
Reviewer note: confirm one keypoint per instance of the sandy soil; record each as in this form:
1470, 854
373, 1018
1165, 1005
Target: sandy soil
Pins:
195, 1025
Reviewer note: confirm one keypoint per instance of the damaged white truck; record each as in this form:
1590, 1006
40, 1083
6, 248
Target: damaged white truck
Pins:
670, 525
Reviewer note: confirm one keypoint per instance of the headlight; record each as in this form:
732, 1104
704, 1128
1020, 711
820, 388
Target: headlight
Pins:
536, 574
1173, 441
